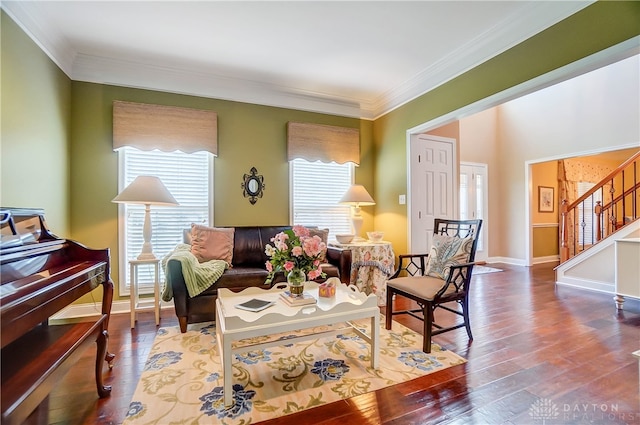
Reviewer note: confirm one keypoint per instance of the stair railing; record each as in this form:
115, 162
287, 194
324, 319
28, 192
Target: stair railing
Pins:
614, 202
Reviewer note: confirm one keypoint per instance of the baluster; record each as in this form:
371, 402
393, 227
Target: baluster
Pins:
583, 224
634, 196
612, 217
624, 208
564, 237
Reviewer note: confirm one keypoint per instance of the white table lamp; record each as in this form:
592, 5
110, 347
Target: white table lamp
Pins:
147, 190
357, 196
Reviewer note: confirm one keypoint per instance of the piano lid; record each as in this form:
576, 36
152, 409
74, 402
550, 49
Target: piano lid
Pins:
22, 226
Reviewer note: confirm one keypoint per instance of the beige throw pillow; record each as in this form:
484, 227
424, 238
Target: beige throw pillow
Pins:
445, 252
212, 243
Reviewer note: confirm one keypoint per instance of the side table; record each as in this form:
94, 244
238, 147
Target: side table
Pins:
372, 264
134, 295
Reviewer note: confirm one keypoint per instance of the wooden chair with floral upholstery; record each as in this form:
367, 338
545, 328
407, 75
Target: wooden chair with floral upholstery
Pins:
441, 276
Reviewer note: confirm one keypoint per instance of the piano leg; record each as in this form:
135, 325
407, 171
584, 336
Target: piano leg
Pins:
101, 355
107, 299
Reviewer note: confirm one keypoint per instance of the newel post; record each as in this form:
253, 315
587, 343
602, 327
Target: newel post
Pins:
564, 237
597, 210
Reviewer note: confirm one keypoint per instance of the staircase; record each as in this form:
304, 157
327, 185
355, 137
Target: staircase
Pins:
588, 247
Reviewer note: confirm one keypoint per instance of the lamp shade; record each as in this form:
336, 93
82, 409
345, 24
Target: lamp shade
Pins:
148, 190
357, 195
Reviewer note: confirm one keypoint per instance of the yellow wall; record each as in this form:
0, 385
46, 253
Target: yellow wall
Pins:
34, 138
546, 225
546, 241
545, 233
544, 174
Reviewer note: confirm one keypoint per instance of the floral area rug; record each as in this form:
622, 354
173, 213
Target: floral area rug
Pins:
182, 379
484, 270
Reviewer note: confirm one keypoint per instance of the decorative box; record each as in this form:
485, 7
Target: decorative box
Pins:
327, 289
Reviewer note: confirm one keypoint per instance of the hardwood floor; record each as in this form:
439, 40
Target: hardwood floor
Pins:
565, 351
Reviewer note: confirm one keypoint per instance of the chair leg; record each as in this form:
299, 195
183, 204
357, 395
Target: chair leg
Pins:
389, 309
465, 315
428, 327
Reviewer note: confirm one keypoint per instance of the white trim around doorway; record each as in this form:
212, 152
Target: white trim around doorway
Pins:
605, 57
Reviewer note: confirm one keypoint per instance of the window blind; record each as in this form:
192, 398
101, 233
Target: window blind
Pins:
189, 179
316, 189
586, 214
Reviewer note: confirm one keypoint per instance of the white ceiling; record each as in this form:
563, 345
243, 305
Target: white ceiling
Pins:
358, 58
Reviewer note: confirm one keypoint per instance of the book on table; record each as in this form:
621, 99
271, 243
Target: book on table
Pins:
296, 300
254, 305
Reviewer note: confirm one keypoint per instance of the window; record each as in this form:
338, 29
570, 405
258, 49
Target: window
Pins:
586, 215
189, 179
316, 188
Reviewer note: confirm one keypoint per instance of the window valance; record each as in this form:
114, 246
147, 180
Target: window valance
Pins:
315, 142
167, 128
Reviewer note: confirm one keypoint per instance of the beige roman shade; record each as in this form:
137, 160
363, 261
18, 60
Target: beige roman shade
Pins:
167, 128
326, 143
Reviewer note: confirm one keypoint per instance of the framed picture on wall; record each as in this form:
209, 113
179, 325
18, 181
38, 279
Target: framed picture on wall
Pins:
545, 199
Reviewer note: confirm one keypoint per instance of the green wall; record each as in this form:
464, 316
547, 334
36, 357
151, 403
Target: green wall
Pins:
34, 135
62, 129
595, 28
248, 136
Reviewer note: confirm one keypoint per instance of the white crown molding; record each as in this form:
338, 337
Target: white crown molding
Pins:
111, 71
81, 67
47, 37
527, 22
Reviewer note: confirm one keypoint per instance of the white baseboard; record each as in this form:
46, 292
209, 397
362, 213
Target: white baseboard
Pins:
520, 262
589, 285
507, 260
76, 311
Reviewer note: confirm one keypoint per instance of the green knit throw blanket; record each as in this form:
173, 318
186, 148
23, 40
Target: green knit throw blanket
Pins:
197, 276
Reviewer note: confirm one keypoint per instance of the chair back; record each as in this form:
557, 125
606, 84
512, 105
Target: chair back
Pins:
460, 229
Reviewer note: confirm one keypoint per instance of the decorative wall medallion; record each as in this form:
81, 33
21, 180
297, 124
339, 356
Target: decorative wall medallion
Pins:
252, 186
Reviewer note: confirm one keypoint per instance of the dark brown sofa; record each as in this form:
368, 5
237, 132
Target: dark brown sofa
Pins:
248, 269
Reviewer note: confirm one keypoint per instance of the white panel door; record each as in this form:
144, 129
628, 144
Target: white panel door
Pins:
473, 202
433, 187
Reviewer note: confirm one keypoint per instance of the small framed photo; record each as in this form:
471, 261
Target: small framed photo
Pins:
545, 199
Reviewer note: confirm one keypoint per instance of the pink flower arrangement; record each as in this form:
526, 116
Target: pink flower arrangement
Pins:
295, 249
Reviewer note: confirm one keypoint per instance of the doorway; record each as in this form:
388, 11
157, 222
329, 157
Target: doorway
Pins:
611, 55
433, 183
474, 194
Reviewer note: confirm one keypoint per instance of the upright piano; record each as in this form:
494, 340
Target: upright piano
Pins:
41, 274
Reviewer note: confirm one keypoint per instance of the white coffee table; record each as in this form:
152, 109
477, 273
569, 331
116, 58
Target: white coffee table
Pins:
234, 324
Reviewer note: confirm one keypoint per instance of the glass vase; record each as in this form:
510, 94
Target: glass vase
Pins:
296, 279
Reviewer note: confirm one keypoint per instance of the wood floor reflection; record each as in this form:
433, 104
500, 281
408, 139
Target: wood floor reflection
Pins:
532, 342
